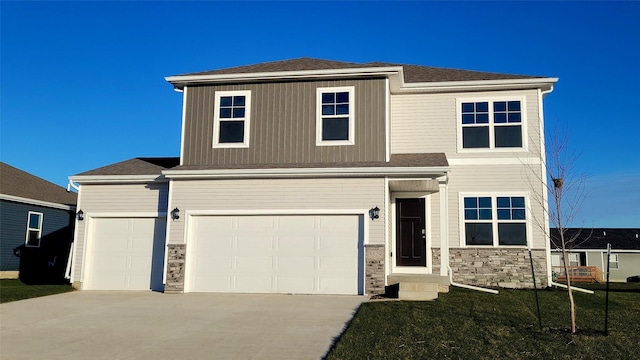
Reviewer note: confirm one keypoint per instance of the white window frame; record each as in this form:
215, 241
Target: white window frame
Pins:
246, 119
30, 229
613, 259
492, 125
319, 116
494, 218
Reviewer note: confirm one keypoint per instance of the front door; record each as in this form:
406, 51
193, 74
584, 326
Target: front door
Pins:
410, 233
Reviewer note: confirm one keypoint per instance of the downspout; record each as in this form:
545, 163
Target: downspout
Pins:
72, 185
471, 287
548, 246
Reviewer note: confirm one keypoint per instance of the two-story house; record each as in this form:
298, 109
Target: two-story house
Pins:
327, 177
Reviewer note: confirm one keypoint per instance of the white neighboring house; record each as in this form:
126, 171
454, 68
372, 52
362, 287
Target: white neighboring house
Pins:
327, 177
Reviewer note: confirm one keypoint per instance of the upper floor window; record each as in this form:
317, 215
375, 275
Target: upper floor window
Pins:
335, 116
494, 220
491, 124
34, 229
231, 119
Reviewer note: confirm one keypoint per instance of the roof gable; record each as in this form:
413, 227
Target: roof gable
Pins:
15, 182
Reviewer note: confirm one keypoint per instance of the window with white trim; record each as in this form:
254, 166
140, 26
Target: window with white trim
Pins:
34, 229
335, 121
490, 124
613, 261
494, 220
231, 119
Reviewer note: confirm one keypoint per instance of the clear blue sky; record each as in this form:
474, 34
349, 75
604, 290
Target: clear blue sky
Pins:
82, 83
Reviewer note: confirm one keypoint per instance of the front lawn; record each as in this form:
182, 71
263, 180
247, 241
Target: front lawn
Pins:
465, 324
13, 290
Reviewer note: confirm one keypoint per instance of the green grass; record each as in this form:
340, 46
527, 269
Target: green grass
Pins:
14, 290
465, 324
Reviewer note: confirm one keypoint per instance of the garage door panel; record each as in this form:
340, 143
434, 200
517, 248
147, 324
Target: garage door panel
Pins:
249, 284
292, 265
276, 253
247, 244
251, 264
125, 254
305, 244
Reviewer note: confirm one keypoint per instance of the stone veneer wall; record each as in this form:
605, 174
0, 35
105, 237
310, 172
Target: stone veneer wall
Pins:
509, 268
374, 269
176, 254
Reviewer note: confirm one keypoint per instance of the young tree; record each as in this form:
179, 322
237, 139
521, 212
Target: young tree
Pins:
564, 192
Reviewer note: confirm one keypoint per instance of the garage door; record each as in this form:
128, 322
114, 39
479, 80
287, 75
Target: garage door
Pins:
276, 254
125, 254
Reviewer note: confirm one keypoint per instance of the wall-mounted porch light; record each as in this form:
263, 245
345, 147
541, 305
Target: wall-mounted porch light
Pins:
175, 214
80, 215
374, 213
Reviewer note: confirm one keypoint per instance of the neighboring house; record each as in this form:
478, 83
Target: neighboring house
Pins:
589, 249
36, 223
317, 176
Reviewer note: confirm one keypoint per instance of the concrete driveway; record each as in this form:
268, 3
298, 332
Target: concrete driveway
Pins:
147, 325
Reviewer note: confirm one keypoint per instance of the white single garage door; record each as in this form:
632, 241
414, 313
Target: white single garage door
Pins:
303, 254
125, 254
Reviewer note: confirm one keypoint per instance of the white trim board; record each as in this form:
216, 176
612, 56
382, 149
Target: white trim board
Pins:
307, 172
36, 202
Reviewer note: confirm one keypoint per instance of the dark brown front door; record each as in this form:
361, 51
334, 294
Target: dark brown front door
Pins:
410, 233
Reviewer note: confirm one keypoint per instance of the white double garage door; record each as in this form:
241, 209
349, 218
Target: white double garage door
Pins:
306, 254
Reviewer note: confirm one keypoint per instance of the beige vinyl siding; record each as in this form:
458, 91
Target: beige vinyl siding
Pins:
426, 123
115, 199
628, 264
279, 194
283, 125
500, 180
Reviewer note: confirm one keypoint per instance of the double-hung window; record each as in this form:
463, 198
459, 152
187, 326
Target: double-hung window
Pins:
613, 261
34, 229
231, 119
491, 124
494, 220
335, 124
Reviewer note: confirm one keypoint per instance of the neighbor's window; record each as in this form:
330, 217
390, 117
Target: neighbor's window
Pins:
495, 220
231, 119
491, 124
613, 261
335, 116
34, 229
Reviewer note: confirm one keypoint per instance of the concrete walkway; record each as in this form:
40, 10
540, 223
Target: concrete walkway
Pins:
147, 325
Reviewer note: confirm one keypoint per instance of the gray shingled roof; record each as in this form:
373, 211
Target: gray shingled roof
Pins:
136, 166
598, 238
412, 73
16, 182
397, 160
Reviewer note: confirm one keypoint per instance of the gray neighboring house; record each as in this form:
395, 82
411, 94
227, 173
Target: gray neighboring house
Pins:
590, 249
327, 177
36, 222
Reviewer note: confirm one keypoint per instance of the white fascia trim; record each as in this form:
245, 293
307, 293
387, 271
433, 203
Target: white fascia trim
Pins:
126, 214
116, 179
184, 118
36, 202
494, 161
476, 85
310, 172
182, 80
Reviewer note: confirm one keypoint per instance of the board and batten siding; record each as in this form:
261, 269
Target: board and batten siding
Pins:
279, 194
115, 199
428, 123
283, 125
